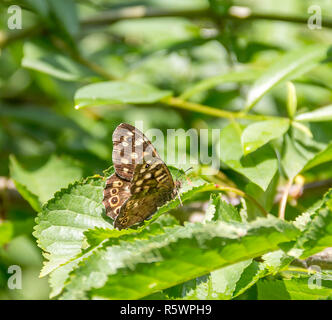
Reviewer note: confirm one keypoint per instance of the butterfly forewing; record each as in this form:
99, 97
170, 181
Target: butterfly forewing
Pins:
116, 192
129, 146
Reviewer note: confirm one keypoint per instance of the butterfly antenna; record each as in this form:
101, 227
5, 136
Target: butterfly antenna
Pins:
179, 173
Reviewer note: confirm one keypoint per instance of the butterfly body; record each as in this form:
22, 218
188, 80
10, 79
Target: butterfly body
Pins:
141, 183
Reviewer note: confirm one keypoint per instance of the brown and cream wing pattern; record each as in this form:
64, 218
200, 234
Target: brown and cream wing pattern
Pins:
129, 147
116, 192
151, 187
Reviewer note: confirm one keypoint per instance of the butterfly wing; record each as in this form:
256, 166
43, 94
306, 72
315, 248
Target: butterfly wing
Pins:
151, 187
116, 192
129, 147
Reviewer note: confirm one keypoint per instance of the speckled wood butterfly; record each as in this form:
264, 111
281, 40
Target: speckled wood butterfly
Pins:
141, 183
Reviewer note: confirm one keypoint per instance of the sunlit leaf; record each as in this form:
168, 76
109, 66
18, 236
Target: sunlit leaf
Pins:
291, 65
259, 133
118, 92
318, 115
259, 166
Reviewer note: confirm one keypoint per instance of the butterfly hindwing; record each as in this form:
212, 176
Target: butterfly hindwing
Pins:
116, 192
152, 186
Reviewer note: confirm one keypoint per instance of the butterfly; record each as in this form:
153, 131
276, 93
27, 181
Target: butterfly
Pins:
141, 183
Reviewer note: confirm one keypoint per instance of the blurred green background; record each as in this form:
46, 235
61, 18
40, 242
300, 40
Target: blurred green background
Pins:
66, 44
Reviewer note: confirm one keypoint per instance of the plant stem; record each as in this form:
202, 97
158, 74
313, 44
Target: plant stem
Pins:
196, 107
112, 16
140, 11
283, 201
7, 38
3, 199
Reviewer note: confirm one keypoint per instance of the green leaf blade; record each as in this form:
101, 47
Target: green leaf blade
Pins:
258, 134
318, 115
154, 265
292, 64
259, 166
37, 184
118, 92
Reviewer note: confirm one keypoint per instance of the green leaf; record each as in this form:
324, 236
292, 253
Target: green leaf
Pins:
206, 84
316, 229
259, 166
220, 210
259, 133
221, 283
152, 33
54, 63
118, 92
65, 12
293, 64
300, 126
303, 220
296, 288
63, 220
6, 232
40, 6
272, 263
231, 281
318, 115
98, 238
218, 285
264, 198
291, 100
41, 117
298, 150
322, 157
39, 182
154, 264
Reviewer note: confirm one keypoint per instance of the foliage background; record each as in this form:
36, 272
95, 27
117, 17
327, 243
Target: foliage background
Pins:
45, 143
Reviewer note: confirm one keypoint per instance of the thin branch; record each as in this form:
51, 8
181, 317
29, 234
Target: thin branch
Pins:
322, 259
200, 108
318, 184
326, 22
135, 12
9, 37
4, 200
